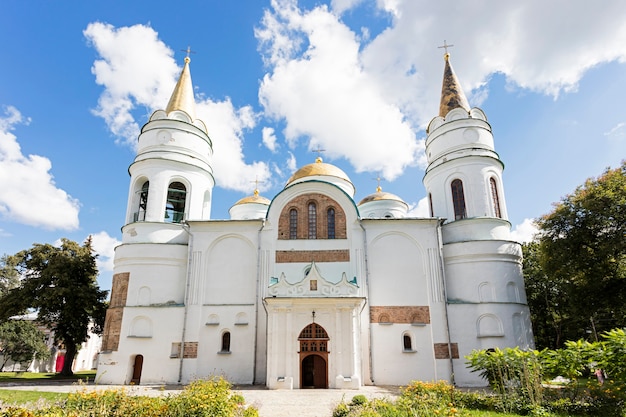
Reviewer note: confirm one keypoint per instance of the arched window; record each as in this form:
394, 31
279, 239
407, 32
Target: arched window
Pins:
175, 204
495, 198
293, 224
407, 343
225, 342
430, 204
313, 338
330, 219
143, 202
458, 199
312, 221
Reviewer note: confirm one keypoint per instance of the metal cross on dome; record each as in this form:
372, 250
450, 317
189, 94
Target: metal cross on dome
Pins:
189, 51
445, 46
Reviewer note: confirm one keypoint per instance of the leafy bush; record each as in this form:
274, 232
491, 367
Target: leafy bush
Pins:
201, 398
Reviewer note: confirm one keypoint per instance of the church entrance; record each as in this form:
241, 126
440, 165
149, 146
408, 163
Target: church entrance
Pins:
313, 357
137, 366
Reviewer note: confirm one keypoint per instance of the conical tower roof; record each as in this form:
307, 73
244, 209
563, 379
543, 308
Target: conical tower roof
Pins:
452, 95
182, 98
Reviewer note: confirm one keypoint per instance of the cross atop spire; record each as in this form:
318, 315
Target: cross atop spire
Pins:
378, 187
319, 153
256, 185
445, 46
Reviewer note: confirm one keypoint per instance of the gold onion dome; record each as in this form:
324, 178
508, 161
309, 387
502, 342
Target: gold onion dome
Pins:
255, 198
380, 195
318, 168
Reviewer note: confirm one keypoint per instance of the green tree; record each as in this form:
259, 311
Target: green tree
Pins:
583, 254
60, 283
9, 276
21, 342
547, 300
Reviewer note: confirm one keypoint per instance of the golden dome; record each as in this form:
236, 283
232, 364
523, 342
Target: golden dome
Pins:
318, 168
380, 195
256, 198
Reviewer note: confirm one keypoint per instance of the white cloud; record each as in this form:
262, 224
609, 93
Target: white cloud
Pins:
524, 232
269, 138
292, 163
338, 106
104, 245
361, 98
28, 194
137, 70
421, 209
617, 132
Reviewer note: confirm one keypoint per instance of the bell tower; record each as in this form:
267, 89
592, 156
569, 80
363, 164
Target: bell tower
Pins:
171, 176
485, 295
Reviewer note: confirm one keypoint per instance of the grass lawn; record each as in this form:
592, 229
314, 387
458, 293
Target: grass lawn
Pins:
9, 396
18, 397
51, 376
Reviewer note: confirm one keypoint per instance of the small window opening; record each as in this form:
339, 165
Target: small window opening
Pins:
407, 342
226, 342
495, 197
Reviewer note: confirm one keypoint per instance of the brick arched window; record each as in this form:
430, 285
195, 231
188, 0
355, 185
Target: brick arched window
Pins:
458, 199
293, 224
330, 222
312, 221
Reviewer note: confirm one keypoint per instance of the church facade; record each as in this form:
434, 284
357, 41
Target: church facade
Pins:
312, 289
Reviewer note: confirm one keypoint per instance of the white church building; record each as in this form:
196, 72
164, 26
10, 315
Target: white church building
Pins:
313, 288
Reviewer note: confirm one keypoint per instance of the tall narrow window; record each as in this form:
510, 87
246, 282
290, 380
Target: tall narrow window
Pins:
458, 199
495, 198
226, 342
430, 204
293, 224
175, 204
312, 221
140, 215
330, 220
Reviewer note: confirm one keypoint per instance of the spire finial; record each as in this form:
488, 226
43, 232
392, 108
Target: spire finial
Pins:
256, 185
378, 187
189, 51
182, 97
319, 151
445, 46
452, 96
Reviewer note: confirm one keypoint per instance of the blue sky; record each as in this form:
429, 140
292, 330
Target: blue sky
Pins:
276, 79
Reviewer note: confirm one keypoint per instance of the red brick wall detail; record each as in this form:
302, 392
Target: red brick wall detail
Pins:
442, 352
301, 204
400, 314
119, 289
290, 256
113, 319
190, 350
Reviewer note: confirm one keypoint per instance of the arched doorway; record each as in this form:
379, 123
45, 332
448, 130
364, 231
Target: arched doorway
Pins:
137, 365
313, 357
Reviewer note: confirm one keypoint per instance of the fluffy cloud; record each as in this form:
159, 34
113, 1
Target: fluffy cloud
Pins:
138, 71
29, 194
524, 232
269, 138
104, 245
338, 106
361, 97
